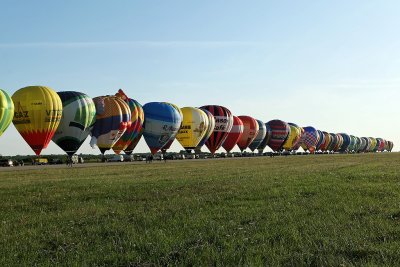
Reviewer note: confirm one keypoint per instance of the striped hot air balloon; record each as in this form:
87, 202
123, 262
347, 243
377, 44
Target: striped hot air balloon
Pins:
234, 135
280, 132
6, 111
262, 132
78, 117
266, 139
223, 125
137, 118
113, 117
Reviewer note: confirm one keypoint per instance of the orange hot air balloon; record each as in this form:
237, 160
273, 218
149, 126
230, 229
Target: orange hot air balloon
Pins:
250, 131
38, 111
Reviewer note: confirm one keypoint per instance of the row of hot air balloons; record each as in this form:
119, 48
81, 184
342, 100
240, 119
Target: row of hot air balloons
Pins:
118, 122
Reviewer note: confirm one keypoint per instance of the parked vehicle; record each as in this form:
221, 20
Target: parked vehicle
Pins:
6, 163
116, 158
40, 161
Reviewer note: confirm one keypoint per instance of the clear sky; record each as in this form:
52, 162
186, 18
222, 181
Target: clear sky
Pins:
334, 65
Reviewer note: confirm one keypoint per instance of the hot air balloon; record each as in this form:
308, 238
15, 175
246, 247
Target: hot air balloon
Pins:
266, 139
364, 144
6, 111
234, 135
250, 131
38, 111
193, 129
210, 129
161, 124
137, 118
381, 144
374, 143
168, 145
223, 125
391, 145
346, 142
113, 117
321, 140
297, 144
262, 131
294, 137
310, 140
134, 142
339, 143
78, 117
327, 140
280, 132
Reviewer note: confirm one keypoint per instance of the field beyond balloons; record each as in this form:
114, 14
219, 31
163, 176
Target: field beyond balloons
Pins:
325, 210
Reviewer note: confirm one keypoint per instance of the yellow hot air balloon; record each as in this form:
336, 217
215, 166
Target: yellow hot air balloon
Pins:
38, 111
194, 127
6, 111
294, 137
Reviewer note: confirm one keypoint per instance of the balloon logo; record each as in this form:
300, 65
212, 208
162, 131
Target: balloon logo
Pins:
162, 122
78, 117
234, 135
6, 111
37, 114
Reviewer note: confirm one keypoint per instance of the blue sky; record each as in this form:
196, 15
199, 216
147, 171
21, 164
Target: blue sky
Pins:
333, 65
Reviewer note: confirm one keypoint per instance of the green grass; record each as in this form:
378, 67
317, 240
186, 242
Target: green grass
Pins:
300, 210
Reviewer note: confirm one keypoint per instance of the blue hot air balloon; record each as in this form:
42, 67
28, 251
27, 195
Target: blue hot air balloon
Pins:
161, 124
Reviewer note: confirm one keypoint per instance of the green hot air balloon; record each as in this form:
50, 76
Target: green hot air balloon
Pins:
78, 117
6, 111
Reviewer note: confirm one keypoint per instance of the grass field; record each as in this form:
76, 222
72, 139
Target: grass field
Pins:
300, 210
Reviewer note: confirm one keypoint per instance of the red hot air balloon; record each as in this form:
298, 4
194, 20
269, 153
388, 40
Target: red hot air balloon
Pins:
234, 135
250, 132
223, 125
280, 132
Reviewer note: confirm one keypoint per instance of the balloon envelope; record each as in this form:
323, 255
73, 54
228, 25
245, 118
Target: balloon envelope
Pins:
173, 137
294, 137
223, 125
234, 135
346, 142
310, 140
250, 131
113, 117
194, 127
210, 129
266, 139
280, 132
38, 111
6, 111
137, 118
161, 124
262, 132
78, 117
